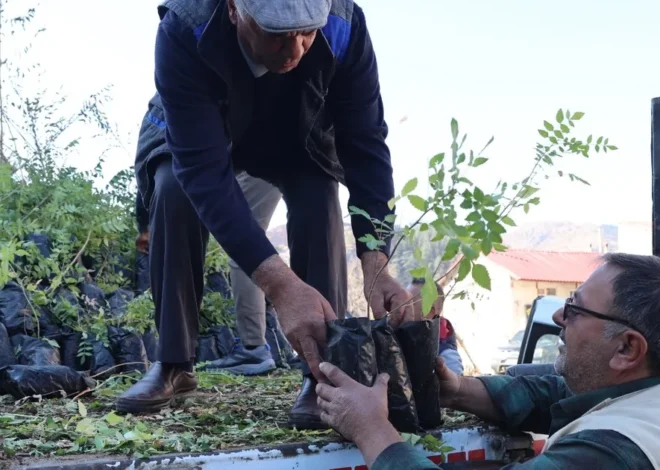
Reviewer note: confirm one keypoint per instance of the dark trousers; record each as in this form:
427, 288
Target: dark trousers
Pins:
177, 249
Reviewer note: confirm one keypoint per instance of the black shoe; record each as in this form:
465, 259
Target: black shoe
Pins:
243, 361
306, 413
156, 390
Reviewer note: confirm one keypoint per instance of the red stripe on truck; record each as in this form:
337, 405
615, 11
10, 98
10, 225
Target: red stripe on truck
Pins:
456, 457
436, 459
477, 454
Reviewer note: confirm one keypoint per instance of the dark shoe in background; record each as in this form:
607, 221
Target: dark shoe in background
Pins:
306, 413
156, 390
243, 361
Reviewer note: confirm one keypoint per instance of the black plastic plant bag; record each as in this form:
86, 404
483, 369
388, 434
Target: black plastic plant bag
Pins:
69, 348
7, 356
216, 282
92, 297
48, 327
224, 340
102, 364
351, 348
118, 302
207, 349
150, 341
127, 349
400, 397
419, 343
15, 312
34, 351
22, 381
142, 276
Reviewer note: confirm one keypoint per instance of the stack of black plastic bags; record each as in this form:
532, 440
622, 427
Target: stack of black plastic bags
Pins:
363, 348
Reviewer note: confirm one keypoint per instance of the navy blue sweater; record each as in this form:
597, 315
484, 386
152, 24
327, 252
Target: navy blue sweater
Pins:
190, 92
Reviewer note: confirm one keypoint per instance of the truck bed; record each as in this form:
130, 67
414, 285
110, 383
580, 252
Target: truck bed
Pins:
228, 414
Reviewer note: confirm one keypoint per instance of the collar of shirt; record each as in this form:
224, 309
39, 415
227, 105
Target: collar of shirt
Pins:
258, 70
571, 408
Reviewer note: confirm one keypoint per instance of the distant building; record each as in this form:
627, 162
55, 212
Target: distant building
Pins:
517, 278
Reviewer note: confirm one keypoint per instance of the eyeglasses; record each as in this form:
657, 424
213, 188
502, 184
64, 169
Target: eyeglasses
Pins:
571, 311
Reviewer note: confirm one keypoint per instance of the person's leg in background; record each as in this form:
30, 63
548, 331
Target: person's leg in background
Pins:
315, 232
177, 250
251, 355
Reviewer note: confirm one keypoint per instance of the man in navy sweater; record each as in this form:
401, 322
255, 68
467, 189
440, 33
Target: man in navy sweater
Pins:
286, 91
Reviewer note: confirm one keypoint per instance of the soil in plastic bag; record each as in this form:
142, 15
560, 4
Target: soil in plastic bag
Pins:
150, 341
92, 297
224, 340
15, 312
127, 349
48, 381
102, 362
400, 397
34, 351
7, 356
351, 348
48, 327
118, 302
42, 243
142, 279
207, 349
419, 343
216, 282
69, 347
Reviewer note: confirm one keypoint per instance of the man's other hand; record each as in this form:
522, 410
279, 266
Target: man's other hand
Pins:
387, 295
301, 309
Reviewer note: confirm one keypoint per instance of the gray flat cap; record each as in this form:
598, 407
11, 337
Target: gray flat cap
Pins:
282, 16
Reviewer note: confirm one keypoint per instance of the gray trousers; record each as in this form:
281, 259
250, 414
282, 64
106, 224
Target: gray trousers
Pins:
177, 250
263, 198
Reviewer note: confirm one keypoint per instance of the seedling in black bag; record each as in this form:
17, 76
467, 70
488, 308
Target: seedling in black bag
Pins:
400, 398
419, 343
351, 348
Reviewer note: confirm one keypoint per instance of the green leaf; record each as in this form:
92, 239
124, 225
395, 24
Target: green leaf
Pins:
599, 141
390, 218
526, 208
469, 252
543, 133
464, 269
409, 187
508, 220
478, 194
436, 159
473, 217
577, 116
391, 203
590, 139
423, 227
99, 443
418, 272
357, 211
565, 129
417, 202
486, 246
560, 116
499, 247
481, 276
82, 409
466, 204
613, 147
528, 191
548, 126
461, 159
454, 128
417, 253
489, 215
429, 293
479, 161
451, 250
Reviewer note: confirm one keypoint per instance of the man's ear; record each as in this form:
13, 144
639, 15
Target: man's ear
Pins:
233, 14
631, 352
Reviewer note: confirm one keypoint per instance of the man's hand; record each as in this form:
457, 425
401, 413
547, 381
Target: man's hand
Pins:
301, 309
387, 294
357, 412
450, 383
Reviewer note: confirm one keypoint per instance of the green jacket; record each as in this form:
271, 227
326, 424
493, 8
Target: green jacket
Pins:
544, 405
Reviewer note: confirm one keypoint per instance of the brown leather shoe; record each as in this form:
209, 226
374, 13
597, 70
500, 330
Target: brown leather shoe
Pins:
306, 414
156, 390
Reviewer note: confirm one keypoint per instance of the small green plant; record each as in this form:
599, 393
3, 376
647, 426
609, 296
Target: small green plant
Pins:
469, 220
139, 316
216, 310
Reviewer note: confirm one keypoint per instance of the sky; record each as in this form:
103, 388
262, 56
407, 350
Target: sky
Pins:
500, 68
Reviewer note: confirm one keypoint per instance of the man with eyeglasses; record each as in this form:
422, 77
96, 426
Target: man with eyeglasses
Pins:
601, 410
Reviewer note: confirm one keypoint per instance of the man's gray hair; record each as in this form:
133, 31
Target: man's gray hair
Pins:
637, 298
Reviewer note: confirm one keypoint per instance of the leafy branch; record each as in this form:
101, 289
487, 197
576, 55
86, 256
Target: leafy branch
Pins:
469, 220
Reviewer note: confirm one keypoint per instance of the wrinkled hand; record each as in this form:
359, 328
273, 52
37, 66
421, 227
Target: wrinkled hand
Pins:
450, 383
349, 407
387, 294
302, 312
